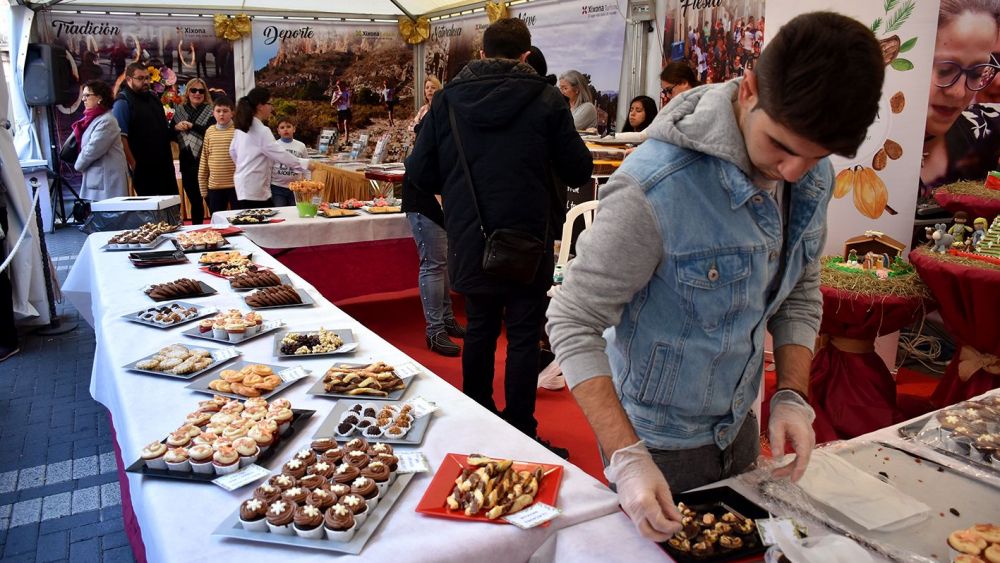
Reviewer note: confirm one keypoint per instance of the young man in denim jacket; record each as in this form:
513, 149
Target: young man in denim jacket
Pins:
708, 235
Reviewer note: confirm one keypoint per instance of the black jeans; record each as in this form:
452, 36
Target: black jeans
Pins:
253, 203
522, 316
8, 332
221, 199
687, 469
189, 179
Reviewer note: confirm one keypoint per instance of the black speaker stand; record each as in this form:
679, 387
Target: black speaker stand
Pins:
56, 187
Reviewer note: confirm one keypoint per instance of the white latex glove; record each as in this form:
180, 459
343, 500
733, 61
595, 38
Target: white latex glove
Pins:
643, 492
791, 419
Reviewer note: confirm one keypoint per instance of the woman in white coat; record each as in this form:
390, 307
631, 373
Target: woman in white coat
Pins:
101, 158
254, 151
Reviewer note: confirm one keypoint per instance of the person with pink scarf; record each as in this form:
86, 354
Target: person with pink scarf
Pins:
101, 158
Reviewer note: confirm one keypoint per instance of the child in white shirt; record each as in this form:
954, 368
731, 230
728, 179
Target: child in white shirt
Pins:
281, 174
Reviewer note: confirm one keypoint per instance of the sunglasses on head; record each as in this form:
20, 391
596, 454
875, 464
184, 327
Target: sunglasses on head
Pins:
196, 90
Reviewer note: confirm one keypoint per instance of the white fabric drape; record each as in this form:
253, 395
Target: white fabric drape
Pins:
25, 136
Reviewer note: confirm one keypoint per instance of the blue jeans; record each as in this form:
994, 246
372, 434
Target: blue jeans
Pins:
282, 197
432, 245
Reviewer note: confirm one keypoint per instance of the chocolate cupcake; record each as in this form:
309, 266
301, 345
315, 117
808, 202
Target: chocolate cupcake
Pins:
378, 472
333, 456
312, 481
380, 448
321, 499
307, 457
340, 490
322, 468
339, 523
282, 482
346, 473
356, 445
296, 495
357, 505
267, 493
356, 458
367, 489
308, 522
280, 516
390, 460
321, 445
294, 468
252, 515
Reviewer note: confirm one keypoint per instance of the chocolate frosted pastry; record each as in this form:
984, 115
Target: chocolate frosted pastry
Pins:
308, 517
364, 423
183, 287
322, 468
354, 502
321, 499
312, 481
253, 510
281, 513
282, 481
267, 493
340, 490
356, 408
377, 471
294, 468
273, 296
950, 419
339, 518
358, 459
308, 457
369, 412
260, 278
373, 431
323, 444
380, 448
365, 487
352, 419
346, 473
388, 459
333, 455
296, 495
356, 445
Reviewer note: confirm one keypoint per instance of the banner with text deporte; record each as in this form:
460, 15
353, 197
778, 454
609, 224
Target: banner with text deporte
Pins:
586, 36
323, 73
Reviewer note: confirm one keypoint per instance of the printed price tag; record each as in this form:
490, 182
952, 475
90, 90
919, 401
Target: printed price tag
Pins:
268, 325
406, 370
421, 406
293, 374
411, 462
226, 353
535, 515
243, 477
770, 529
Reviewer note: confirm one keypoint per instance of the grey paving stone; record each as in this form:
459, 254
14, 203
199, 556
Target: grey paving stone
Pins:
4, 524
26, 512
20, 540
85, 500
53, 547
56, 506
111, 494
113, 540
59, 471
69, 522
85, 467
8, 481
118, 555
107, 462
31, 477
86, 551
5, 511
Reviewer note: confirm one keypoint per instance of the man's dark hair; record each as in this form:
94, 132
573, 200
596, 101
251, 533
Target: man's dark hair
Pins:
821, 77
223, 100
130, 69
536, 60
677, 73
506, 39
101, 90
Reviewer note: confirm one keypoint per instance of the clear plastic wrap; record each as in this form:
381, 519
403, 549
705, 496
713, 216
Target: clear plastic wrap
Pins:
131, 219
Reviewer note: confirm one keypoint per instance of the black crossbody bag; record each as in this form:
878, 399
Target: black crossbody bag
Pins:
510, 254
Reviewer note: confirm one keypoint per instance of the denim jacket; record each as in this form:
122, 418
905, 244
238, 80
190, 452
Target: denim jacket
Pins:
686, 342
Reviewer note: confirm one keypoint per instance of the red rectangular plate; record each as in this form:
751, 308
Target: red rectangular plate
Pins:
443, 483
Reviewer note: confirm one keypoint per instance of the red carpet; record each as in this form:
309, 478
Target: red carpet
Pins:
398, 318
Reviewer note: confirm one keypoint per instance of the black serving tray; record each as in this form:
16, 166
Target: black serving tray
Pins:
718, 501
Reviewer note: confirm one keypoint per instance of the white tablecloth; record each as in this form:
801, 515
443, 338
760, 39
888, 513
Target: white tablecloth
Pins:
296, 232
177, 518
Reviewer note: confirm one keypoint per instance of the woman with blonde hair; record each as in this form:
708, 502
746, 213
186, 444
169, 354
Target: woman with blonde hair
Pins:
431, 85
576, 88
191, 119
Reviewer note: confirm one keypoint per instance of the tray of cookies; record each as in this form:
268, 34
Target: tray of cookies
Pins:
327, 497
968, 431
372, 381
201, 241
222, 436
718, 525
389, 422
222, 256
248, 379
169, 315
322, 342
181, 362
459, 488
181, 288
146, 237
255, 280
277, 297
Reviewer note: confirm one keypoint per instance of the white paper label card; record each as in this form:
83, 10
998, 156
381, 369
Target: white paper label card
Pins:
268, 325
225, 353
535, 515
243, 477
411, 462
421, 406
771, 529
406, 370
293, 374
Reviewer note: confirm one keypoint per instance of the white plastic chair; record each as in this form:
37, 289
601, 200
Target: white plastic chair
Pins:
587, 209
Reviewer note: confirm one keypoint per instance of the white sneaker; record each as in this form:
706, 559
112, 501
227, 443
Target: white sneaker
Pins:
551, 377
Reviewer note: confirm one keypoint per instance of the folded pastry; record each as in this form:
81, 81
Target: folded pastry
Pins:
265, 278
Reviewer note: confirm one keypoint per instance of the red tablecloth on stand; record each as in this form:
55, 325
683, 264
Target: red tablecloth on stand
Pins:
975, 206
969, 299
851, 389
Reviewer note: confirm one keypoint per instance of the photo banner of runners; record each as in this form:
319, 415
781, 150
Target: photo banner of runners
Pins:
178, 49
581, 35
356, 75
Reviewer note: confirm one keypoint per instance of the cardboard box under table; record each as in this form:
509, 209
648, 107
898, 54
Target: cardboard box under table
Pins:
130, 212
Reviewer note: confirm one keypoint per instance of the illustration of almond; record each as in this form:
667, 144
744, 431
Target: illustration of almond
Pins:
892, 149
880, 160
890, 48
870, 193
897, 102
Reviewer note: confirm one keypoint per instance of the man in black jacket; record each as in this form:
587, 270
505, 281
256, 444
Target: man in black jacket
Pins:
147, 151
516, 132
